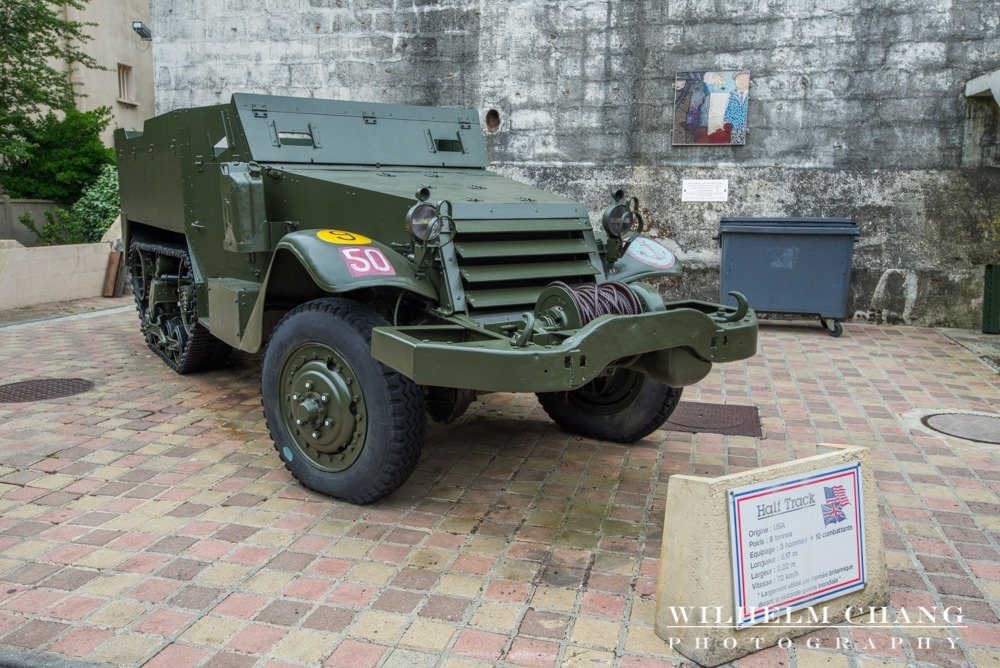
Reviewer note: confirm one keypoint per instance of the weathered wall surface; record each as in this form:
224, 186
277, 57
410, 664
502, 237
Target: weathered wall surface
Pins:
856, 109
114, 42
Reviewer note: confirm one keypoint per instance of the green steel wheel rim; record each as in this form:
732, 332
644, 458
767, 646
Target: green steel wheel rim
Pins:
178, 330
139, 271
608, 394
322, 407
187, 295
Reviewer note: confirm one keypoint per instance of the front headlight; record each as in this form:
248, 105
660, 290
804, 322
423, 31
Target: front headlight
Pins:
420, 219
618, 220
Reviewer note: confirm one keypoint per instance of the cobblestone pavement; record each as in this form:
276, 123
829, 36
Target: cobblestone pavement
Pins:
150, 520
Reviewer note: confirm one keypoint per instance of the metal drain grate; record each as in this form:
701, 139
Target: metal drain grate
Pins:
41, 389
728, 419
970, 426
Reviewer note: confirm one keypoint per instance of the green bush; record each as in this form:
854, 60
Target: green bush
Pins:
59, 228
89, 217
99, 205
64, 155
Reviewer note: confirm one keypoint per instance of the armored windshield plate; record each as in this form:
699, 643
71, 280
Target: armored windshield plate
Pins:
42, 389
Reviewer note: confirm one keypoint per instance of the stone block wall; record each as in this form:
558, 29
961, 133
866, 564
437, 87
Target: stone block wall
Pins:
856, 109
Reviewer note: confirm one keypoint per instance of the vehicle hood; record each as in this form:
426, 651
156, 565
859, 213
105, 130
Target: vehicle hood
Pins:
474, 193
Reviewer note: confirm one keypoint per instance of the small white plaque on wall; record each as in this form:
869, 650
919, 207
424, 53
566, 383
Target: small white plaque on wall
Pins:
705, 190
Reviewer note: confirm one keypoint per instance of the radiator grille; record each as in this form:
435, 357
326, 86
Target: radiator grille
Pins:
507, 263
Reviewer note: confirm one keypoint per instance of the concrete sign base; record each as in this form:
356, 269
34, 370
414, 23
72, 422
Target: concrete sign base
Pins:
696, 611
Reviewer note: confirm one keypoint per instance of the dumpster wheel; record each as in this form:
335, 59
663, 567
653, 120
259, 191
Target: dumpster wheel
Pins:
832, 326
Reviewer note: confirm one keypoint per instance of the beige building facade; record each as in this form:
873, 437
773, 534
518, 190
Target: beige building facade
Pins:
126, 85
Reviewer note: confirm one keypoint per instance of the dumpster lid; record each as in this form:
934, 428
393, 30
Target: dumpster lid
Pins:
768, 220
777, 225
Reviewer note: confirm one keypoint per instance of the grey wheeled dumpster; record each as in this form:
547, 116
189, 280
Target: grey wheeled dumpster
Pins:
790, 265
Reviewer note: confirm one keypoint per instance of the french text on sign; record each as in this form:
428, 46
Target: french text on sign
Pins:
704, 190
796, 542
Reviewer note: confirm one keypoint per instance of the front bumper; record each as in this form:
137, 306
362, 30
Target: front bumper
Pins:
677, 346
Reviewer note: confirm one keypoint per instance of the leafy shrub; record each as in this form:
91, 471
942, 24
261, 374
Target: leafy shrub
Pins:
60, 228
89, 217
64, 155
99, 205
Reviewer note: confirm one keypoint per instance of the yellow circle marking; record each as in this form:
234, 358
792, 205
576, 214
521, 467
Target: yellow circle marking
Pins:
342, 237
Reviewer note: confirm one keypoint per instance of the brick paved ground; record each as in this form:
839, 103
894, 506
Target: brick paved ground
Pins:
149, 519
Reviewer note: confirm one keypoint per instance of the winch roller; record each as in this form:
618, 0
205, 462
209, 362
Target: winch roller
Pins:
561, 306
593, 301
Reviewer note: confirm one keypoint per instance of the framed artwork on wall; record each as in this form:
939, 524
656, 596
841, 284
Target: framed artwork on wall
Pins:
711, 107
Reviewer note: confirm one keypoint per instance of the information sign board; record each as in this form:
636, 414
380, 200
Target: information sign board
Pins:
704, 190
796, 542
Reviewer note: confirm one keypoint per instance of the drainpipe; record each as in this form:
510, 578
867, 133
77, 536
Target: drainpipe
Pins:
69, 65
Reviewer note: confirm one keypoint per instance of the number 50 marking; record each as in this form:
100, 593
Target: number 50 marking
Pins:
367, 261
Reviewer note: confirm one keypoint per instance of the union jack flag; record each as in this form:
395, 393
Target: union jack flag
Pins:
832, 513
836, 494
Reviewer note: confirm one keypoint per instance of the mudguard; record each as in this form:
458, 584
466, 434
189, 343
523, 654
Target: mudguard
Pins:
645, 257
337, 261
340, 261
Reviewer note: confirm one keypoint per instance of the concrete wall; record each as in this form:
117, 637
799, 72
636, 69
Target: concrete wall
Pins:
11, 211
855, 110
30, 276
115, 42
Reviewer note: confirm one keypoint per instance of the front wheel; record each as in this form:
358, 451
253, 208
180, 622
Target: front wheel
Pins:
622, 406
344, 424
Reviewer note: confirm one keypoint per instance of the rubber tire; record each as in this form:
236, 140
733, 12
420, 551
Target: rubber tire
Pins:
650, 408
394, 403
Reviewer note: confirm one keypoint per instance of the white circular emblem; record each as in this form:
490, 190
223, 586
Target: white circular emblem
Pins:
651, 252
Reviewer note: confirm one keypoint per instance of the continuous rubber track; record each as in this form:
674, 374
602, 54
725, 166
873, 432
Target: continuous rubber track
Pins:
407, 414
203, 351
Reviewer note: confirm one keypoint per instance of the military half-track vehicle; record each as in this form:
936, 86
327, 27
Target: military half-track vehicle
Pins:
388, 275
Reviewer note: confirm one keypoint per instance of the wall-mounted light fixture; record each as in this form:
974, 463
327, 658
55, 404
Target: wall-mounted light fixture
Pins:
142, 30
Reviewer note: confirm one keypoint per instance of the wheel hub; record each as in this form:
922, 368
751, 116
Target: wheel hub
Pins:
310, 409
610, 393
323, 407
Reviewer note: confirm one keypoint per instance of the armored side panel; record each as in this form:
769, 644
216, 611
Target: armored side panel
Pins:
150, 172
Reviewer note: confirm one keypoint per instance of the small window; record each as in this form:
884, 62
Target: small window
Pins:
450, 145
126, 89
295, 138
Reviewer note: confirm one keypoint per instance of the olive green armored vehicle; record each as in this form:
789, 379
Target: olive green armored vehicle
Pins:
388, 275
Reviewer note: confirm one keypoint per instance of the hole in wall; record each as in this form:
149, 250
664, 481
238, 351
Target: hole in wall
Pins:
492, 120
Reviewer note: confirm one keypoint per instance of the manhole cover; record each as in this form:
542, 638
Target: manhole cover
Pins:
41, 389
728, 419
970, 426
